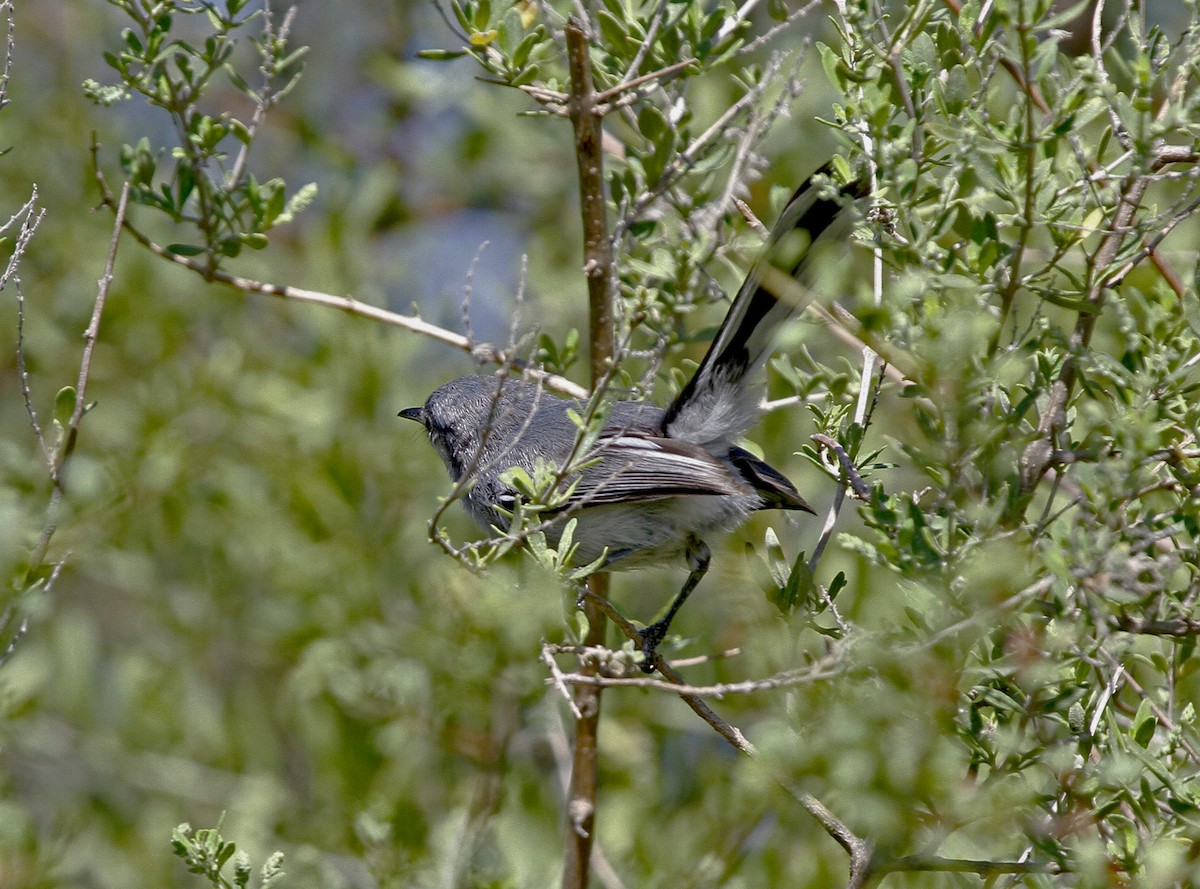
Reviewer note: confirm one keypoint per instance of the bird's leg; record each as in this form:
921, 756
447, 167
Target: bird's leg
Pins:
698, 557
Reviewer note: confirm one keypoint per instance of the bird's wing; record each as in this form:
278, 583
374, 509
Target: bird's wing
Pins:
634, 467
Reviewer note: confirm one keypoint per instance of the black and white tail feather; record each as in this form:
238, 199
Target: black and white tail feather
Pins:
657, 481
719, 403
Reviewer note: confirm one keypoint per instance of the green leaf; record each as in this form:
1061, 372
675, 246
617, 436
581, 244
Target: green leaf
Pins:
185, 249
461, 15
652, 123
1144, 724
527, 75
520, 55
185, 182
441, 55
612, 30
64, 405
799, 587
483, 15
240, 131
837, 585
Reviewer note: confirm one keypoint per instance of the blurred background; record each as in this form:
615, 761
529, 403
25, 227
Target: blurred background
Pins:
252, 624
251, 620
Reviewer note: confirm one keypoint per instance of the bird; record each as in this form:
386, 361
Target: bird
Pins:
656, 482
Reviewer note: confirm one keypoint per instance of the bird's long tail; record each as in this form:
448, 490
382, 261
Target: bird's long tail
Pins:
718, 404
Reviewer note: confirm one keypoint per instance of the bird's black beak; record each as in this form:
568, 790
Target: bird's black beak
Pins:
413, 413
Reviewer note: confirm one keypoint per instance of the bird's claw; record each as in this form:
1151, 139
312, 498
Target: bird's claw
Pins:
651, 636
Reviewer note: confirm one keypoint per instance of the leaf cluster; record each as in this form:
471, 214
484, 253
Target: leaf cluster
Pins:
206, 852
207, 184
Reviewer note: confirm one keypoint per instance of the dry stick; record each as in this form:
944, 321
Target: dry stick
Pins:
1180, 626
90, 335
10, 48
597, 247
863, 865
30, 216
857, 848
58, 461
827, 668
347, 304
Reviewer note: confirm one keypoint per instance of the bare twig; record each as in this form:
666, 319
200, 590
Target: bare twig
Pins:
30, 217
849, 471
266, 97
58, 466
557, 678
347, 304
59, 456
10, 47
613, 93
826, 668
1178, 627
984, 868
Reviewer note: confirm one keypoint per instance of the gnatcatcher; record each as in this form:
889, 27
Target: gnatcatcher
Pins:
657, 482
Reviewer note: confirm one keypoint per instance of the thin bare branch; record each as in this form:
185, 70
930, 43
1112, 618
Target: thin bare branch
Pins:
849, 471
10, 48
1178, 627
30, 217
613, 93
62, 458
480, 351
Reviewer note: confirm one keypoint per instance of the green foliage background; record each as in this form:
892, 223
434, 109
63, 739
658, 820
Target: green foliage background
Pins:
251, 620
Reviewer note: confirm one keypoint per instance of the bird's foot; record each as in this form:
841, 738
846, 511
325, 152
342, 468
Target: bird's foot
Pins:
651, 636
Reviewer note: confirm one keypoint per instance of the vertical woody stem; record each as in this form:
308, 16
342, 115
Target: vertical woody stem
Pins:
597, 267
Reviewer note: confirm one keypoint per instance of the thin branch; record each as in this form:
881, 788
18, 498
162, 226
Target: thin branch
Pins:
770, 34
687, 158
57, 459
480, 351
869, 356
827, 668
30, 217
858, 849
639, 57
849, 471
266, 97
58, 466
10, 47
1038, 455
1179, 627
1008, 65
613, 93
984, 868
848, 329
11, 611
1159, 713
